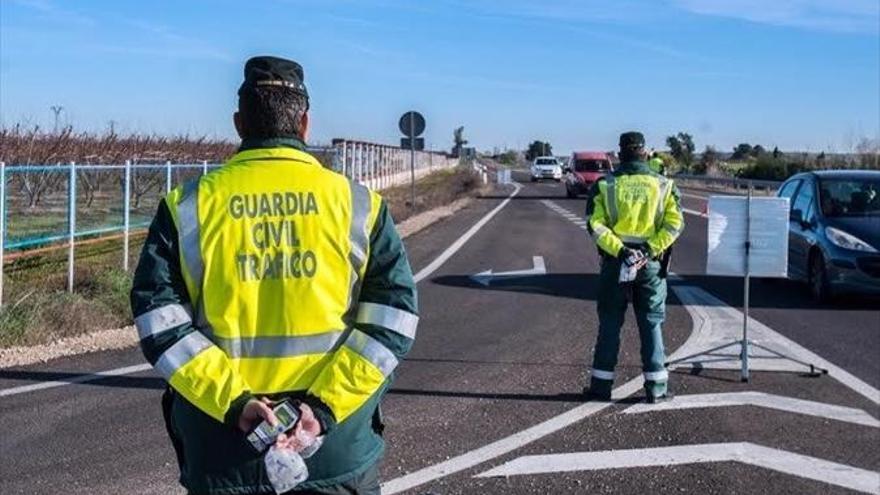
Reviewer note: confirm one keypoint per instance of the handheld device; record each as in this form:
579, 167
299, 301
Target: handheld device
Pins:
631, 266
263, 436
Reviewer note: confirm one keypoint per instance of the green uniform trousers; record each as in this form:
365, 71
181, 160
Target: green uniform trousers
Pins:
649, 305
364, 484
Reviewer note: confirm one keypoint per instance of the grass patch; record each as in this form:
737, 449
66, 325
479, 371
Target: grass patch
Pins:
38, 309
437, 189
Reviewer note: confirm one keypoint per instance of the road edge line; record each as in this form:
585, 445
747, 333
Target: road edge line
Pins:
455, 246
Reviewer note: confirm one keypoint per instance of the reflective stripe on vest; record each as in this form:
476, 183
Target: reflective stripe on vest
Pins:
610, 200
182, 352
189, 233
661, 203
397, 320
359, 238
633, 239
278, 346
372, 350
161, 319
597, 231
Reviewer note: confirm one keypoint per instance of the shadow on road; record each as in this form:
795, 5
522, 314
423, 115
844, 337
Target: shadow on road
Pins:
502, 363
562, 397
138, 382
764, 294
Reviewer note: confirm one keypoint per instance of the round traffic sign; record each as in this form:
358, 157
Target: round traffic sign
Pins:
412, 124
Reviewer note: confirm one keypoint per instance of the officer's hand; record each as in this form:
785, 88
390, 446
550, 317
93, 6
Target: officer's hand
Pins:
633, 257
304, 434
629, 255
254, 412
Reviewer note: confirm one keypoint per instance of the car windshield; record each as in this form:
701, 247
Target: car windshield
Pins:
546, 161
590, 165
850, 197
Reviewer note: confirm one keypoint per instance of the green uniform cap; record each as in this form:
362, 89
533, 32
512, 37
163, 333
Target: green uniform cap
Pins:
273, 71
632, 140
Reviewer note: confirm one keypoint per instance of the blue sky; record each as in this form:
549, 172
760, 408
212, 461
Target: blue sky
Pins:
798, 74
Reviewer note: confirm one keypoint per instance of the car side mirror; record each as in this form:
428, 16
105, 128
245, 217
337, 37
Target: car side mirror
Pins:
796, 215
809, 224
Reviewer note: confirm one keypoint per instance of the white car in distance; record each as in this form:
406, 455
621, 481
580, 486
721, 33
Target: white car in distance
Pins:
546, 167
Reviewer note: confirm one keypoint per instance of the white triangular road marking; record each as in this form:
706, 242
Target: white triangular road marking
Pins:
760, 399
782, 461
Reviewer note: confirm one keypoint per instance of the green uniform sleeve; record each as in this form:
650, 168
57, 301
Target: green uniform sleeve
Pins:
672, 224
599, 223
162, 309
384, 327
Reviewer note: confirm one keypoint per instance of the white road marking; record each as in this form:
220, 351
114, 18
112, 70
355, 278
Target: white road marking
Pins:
90, 377
717, 323
517, 440
455, 246
571, 217
127, 370
694, 212
507, 444
779, 460
694, 196
760, 399
486, 277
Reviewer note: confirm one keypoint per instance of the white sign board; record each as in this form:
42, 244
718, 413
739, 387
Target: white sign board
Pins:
729, 221
503, 176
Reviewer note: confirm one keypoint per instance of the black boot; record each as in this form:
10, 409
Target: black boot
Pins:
653, 399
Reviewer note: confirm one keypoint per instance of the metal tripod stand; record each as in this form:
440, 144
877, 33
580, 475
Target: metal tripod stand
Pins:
712, 355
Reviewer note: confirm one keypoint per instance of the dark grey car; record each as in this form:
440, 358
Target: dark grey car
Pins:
834, 234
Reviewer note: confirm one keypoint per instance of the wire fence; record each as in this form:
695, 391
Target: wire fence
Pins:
53, 207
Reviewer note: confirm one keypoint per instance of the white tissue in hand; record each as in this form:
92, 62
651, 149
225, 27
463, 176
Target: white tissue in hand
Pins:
312, 447
285, 469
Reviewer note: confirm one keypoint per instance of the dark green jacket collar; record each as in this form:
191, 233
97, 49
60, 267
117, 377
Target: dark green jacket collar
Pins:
253, 143
633, 168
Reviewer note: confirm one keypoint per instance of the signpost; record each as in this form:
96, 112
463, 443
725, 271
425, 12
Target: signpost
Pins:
747, 237
412, 125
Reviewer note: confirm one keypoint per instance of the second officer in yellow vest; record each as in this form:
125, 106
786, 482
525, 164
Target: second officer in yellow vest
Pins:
632, 213
274, 278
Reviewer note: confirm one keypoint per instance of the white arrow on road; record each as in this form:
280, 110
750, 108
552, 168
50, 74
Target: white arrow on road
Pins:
782, 461
760, 399
486, 277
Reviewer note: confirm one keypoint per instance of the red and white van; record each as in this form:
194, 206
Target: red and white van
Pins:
584, 169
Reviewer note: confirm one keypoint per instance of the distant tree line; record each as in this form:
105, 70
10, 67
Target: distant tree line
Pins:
756, 162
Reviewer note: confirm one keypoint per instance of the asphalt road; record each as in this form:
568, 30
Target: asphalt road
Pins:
491, 388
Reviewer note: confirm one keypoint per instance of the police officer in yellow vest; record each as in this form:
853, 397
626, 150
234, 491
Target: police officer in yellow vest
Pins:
633, 216
274, 278
655, 163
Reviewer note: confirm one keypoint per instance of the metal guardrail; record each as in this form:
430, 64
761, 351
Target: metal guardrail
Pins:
375, 165
728, 182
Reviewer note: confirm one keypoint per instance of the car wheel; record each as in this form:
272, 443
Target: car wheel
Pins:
533, 179
820, 289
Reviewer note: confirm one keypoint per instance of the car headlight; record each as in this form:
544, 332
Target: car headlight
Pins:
847, 241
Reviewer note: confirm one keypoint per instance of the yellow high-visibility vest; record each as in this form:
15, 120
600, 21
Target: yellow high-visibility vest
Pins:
273, 248
635, 209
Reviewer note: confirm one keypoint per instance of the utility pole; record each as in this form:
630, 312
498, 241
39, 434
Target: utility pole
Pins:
56, 109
